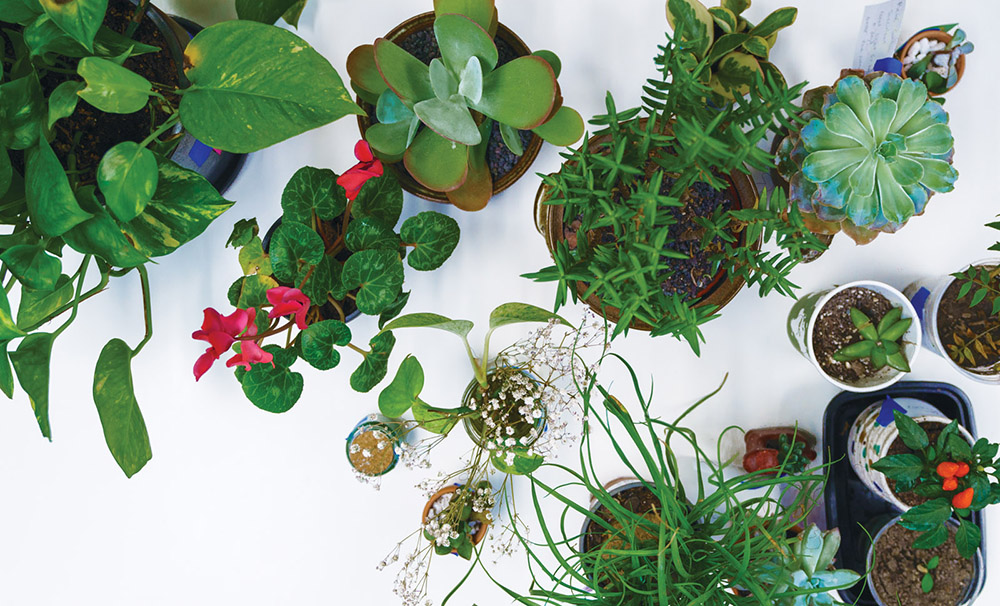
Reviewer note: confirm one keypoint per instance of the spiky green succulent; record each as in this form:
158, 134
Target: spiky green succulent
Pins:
437, 118
809, 565
879, 343
872, 154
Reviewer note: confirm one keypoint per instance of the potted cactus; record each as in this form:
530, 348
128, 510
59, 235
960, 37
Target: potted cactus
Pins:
458, 98
936, 57
872, 153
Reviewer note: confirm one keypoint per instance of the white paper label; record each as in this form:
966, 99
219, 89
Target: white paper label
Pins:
880, 27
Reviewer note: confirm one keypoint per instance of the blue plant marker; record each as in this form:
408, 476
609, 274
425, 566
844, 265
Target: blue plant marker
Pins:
889, 65
199, 153
885, 416
919, 300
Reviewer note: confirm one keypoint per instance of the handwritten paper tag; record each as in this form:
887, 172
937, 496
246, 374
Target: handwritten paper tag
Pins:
880, 27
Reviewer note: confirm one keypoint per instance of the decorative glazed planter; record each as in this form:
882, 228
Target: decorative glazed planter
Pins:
759, 444
939, 36
802, 325
425, 21
868, 441
926, 296
373, 434
483, 526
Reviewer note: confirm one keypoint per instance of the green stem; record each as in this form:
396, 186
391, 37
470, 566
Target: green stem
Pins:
137, 17
105, 275
358, 349
76, 300
147, 310
170, 123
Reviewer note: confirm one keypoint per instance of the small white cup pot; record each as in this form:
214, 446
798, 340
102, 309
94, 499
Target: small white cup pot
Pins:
802, 325
869, 441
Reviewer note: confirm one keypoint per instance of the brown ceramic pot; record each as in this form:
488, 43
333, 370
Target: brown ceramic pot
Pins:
483, 527
940, 36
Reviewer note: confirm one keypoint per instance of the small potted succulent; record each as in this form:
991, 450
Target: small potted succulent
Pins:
95, 105
334, 254
456, 518
961, 318
936, 57
675, 228
809, 564
771, 448
862, 336
461, 101
873, 150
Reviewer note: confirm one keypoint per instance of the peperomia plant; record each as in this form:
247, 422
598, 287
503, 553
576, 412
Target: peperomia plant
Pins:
89, 117
879, 343
437, 118
332, 253
953, 476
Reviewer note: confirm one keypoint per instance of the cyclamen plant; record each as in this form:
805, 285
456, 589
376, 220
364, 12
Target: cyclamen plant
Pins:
956, 478
334, 251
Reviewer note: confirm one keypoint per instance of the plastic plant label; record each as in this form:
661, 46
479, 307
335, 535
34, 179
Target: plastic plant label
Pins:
880, 27
919, 300
886, 415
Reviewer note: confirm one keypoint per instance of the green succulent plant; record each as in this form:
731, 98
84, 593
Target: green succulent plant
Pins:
735, 49
457, 98
936, 77
809, 565
880, 344
874, 151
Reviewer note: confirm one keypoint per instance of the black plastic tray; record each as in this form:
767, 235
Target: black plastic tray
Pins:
849, 504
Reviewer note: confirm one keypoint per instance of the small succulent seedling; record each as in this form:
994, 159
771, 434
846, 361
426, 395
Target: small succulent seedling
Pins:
927, 581
809, 565
880, 344
937, 69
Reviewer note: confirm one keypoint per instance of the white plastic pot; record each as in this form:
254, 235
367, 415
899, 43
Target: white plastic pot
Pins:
926, 295
868, 442
802, 324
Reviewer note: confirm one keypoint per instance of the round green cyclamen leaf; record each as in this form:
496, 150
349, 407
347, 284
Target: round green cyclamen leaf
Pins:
378, 276
369, 233
250, 291
433, 237
294, 248
380, 199
33, 266
127, 176
112, 88
313, 189
272, 388
376, 364
320, 341
325, 281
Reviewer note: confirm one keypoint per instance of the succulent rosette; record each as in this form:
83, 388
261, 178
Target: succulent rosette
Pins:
874, 150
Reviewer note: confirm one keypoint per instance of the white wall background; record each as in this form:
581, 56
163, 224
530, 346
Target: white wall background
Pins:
239, 506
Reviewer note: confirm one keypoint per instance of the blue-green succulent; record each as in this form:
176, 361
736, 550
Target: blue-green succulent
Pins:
873, 153
809, 566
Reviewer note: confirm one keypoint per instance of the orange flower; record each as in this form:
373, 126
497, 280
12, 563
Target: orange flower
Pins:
947, 470
963, 499
950, 484
963, 469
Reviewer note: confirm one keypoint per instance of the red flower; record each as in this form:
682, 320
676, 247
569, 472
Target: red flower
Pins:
288, 301
368, 167
250, 353
220, 332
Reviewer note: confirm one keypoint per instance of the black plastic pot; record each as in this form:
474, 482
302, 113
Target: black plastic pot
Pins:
849, 504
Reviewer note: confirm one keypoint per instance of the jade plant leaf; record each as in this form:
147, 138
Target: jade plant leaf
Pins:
470, 83
363, 71
477, 189
401, 394
442, 81
8, 328
63, 100
263, 11
378, 276
460, 38
78, 18
376, 363
51, 202
294, 249
433, 237
127, 176
450, 119
369, 234
432, 420
33, 266
480, 11
313, 190
272, 388
112, 88
406, 75
380, 199
253, 85
101, 235
563, 129
520, 93
390, 109
513, 313
36, 305
512, 139
436, 162
552, 59
184, 205
429, 320
124, 428
22, 112
250, 291
320, 341
389, 140
31, 364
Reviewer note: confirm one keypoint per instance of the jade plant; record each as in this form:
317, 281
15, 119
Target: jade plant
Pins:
808, 564
437, 118
954, 477
874, 151
879, 343
334, 251
936, 64
69, 183
734, 49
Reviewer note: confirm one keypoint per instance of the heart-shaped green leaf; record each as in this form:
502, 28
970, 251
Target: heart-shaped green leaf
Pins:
253, 259
369, 233
393, 310
513, 313
380, 199
376, 363
433, 237
520, 93
63, 100
272, 388
127, 176
431, 420
563, 129
31, 363
263, 11
243, 231
451, 119
523, 464
101, 235
320, 342
114, 395
32, 266
378, 277
43, 37
78, 18
294, 249
6, 172
460, 38
20, 11
399, 395
112, 88
35, 307
8, 328
51, 203
435, 162
313, 190
325, 281
250, 291
429, 320
22, 112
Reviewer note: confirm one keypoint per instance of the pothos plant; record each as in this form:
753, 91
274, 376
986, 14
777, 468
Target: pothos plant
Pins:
68, 186
269, 11
332, 252
955, 477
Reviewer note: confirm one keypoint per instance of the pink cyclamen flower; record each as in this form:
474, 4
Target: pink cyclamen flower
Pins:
288, 301
220, 332
368, 167
250, 352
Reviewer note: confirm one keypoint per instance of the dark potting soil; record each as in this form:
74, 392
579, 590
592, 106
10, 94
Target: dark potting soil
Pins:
897, 447
423, 45
896, 575
835, 330
638, 499
959, 323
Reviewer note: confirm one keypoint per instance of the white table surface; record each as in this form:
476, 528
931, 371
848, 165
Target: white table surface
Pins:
240, 506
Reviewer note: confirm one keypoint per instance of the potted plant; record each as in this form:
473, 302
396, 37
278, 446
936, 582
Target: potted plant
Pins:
770, 448
334, 254
936, 57
461, 101
94, 102
657, 232
862, 336
873, 150
961, 318
456, 518
374, 447
269, 11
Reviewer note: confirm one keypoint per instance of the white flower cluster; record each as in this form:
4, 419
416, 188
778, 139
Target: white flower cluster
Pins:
414, 456
440, 526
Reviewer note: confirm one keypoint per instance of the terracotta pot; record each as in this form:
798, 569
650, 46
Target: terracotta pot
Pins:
483, 527
940, 36
425, 21
761, 445
549, 223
